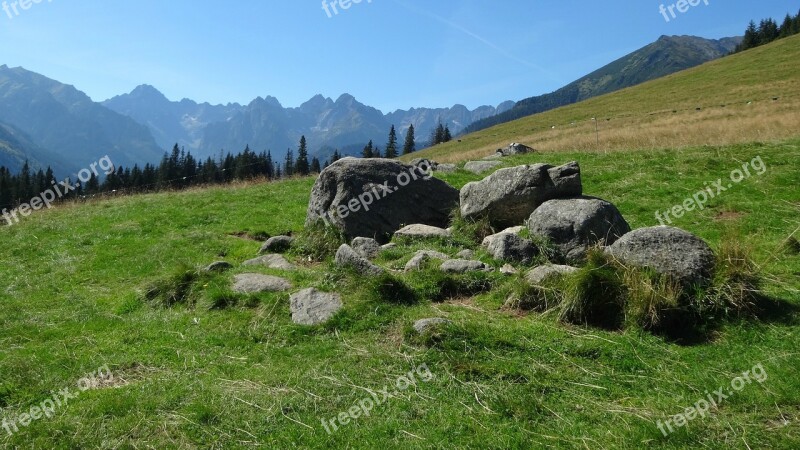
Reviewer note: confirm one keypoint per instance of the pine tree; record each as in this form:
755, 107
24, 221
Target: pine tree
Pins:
302, 166
369, 151
410, 146
391, 146
336, 156
447, 136
288, 166
438, 135
796, 24
750, 37
786, 27
315, 165
377, 152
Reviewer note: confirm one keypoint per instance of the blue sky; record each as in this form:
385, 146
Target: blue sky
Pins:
387, 53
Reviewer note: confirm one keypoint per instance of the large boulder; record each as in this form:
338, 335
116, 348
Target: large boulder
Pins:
669, 251
375, 197
508, 196
574, 225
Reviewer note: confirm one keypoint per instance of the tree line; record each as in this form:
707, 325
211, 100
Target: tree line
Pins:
768, 31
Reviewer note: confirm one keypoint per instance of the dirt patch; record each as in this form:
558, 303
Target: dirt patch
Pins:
728, 216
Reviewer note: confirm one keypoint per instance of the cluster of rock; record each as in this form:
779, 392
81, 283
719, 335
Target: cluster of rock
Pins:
546, 201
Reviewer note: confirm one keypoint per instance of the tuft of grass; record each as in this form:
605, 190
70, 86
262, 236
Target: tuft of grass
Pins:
527, 297
594, 295
652, 301
318, 242
737, 280
434, 285
472, 231
389, 288
174, 289
792, 246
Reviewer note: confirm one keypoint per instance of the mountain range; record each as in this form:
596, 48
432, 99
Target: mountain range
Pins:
669, 54
50, 123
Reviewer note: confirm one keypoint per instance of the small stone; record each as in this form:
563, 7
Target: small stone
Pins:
252, 283
277, 244
313, 307
366, 247
273, 261
422, 231
541, 274
347, 257
508, 269
421, 256
422, 326
465, 254
463, 266
218, 266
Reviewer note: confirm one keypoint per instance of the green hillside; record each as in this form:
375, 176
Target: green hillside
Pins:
730, 100
201, 367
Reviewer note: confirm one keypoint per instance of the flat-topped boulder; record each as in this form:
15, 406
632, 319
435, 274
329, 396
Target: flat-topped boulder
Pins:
367, 247
253, 283
277, 244
420, 231
481, 166
509, 196
421, 256
542, 274
273, 261
463, 266
511, 247
313, 307
375, 197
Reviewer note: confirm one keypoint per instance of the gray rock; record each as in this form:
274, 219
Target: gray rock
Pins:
515, 149
446, 168
422, 231
481, 166
388, 246
463, 266
347, 257
541, 274
421, 256
277, 244
574, 225
667, 250
422, 326
366, 247
273, 261
465, 254
508, 269
514, 230
511, 247
509, 196
218, 266
313, 307
424, 163
252, 283
365, 197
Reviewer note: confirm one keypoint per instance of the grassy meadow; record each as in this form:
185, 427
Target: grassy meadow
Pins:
212, 369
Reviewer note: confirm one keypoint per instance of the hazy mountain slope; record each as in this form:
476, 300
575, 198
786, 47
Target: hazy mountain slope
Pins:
668, 55
65, 121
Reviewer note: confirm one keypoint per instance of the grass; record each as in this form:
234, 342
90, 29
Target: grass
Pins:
219, 371
117, 283
747, 97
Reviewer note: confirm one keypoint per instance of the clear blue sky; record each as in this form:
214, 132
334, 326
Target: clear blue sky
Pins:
387, 53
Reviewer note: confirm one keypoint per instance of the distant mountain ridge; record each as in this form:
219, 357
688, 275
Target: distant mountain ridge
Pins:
669, 54
344, 124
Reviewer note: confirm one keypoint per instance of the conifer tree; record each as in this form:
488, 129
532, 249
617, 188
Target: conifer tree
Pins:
369, 151
410, 146
302, 166
391, 146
